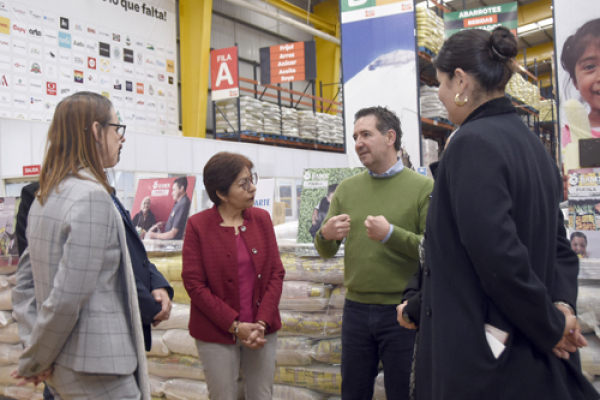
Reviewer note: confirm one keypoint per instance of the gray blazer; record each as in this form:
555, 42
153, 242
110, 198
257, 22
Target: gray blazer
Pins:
75, 299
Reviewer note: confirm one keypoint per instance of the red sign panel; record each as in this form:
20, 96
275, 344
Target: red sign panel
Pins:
31, 170
224, 73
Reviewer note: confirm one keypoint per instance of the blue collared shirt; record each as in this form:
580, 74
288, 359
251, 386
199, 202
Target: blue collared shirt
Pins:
395, 169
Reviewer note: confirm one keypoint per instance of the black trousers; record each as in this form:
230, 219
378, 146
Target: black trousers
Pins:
371, 333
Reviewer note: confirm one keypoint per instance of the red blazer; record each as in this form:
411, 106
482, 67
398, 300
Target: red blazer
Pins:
210, 273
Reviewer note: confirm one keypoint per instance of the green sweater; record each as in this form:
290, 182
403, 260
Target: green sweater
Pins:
375, 272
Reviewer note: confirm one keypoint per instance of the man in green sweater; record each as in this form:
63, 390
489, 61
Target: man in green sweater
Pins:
381, 213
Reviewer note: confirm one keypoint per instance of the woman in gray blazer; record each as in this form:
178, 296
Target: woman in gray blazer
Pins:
75, 297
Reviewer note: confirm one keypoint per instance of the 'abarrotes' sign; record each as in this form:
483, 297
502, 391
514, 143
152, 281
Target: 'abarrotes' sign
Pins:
486, 18
288, 62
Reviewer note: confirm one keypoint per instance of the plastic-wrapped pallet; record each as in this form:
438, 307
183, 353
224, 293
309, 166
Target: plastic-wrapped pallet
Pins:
325, 127
156, 385
304, 296
159, 348
281, 392
180, 296
327, 351
271, 118
338, 295
6, 318
430, 29
10, 353
323, 324
186, 389
250, 113
588, 307
178, 319
590, 355
307, 124
430, 153
338, 129
314, 269
289, 118
10, 334
176, 366
170, 267
431, 106
179, 341
548, 110
379, 390
322, 378
293, 350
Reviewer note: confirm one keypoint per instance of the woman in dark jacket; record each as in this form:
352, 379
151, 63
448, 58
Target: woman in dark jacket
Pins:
499, 287
233, 274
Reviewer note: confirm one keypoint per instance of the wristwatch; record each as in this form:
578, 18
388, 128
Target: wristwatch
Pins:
236, 328
406, 317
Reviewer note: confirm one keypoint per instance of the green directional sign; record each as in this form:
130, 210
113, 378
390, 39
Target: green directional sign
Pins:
486, 18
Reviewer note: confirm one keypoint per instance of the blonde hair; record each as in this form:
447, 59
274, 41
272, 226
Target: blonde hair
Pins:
71, 144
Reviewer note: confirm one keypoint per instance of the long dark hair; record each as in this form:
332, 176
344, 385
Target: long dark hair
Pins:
487, 56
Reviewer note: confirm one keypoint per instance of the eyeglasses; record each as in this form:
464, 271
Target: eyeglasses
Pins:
120, 129
245, 183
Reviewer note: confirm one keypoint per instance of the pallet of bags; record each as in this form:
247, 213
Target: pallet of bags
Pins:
328, 351
187, 389
307, 124
588, 307
293, 350
338, 295
321, 378
159, 348
282, 392
325, 127
250, 114
271, 118
289, 120
430, 29
178, 319
304, 296
322, 324
338, 130
314, 269
176, 366
169, 266
180, 295
431, 106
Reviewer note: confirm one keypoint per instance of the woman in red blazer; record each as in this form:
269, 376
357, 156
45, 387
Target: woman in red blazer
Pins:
233, 274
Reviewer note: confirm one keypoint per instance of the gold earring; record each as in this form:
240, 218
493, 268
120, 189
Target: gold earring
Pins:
460, 102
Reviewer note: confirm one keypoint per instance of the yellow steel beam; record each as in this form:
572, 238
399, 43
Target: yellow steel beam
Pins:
540, 53
195, 18
534, 12
328, 53
325, 25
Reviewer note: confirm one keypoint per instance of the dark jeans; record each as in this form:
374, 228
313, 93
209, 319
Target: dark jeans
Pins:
47, 393
370, 333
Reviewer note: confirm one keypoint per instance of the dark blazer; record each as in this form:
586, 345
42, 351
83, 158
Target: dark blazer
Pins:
496, 253
210, 273
147, 277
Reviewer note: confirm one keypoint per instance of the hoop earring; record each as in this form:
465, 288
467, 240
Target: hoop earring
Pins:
460, 102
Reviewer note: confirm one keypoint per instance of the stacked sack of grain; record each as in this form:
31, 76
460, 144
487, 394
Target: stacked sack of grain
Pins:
588, 315
289, 118
548, 112
309, 345
271, 118
430, 29
307, 124
338, 129
325, 127
431, 106
10, 343
250, 111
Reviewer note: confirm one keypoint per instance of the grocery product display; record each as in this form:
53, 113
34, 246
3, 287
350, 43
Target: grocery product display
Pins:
430, 29
548, 111
262, 117
524, 92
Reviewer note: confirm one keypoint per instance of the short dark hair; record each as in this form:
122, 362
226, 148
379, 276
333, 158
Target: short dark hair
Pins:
386, 120
332, 188
487, 56
220, 173
575, 45
579, 235
182, 183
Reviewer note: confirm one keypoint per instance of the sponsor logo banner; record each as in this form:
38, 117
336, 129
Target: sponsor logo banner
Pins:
64, 40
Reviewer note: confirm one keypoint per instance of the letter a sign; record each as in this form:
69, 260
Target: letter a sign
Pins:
224, 73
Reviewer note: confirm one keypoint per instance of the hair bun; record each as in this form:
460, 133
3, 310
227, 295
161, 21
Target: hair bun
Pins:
503, 43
